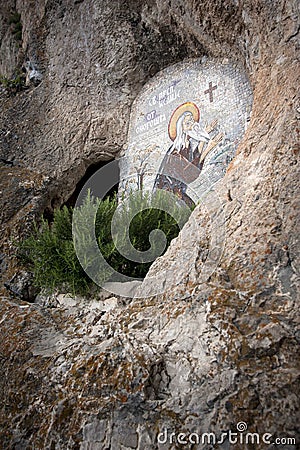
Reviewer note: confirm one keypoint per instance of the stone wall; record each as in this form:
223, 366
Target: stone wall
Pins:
211, 352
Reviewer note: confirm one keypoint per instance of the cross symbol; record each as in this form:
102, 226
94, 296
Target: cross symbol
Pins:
210, 90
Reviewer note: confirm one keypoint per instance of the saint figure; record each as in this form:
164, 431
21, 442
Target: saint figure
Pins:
184, 160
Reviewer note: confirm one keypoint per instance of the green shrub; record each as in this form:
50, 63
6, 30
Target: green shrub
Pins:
142, 213
14, 18
15, 21
14, 84
50, 251
18, 35
91, 228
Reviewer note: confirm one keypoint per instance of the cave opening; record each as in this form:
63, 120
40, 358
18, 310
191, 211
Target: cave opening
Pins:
103, 184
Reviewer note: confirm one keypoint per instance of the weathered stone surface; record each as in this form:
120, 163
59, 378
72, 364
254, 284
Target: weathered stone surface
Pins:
94, 59
207, 353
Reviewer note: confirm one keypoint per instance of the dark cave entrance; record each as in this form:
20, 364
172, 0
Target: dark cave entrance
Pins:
101, 177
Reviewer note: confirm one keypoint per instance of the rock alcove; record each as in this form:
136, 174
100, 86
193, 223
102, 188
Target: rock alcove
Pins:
205, 356
104, 186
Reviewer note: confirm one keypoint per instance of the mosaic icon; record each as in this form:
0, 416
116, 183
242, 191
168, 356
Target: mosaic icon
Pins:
195, 111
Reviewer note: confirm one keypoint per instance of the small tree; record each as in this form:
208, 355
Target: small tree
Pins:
123, 234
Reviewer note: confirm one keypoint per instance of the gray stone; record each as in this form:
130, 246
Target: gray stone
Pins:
126, 289
217, 343
21, 286
33, 75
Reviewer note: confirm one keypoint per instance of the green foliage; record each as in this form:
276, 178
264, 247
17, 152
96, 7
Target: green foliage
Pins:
14, 84
91, 229
50, 250
142, 214
14, 18
50, 253
18, 34
15, 21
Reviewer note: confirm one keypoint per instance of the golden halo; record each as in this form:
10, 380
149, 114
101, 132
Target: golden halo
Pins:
188, 106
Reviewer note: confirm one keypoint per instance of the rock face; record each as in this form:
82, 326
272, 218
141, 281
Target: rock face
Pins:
212, 351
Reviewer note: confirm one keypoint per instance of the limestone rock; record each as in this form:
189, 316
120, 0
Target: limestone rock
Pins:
21, 285
32, 74
216, 348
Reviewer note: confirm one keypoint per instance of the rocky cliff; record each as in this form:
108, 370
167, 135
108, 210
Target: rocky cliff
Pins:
209, 354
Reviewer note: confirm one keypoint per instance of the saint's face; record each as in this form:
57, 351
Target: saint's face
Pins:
188, 122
